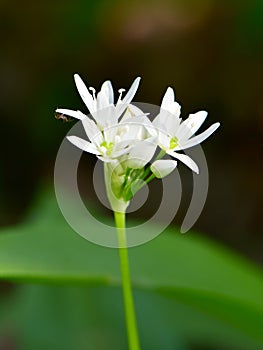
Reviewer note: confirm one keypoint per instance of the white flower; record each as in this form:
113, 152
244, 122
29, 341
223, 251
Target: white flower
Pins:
122, 136
175, 135
108, 137
133, 137
102, 106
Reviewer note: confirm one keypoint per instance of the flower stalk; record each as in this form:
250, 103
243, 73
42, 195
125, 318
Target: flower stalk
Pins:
130, 317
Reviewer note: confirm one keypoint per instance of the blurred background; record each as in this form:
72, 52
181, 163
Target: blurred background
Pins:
210, 51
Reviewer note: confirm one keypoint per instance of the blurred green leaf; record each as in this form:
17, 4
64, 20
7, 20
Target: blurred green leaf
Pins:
184, 269
66, 318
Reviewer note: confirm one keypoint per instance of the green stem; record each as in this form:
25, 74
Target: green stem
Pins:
150, 178
160, 154
148, 170
130, 317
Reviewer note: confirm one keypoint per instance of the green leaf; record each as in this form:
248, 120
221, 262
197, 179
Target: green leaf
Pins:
188, 270
55, 317
67, 318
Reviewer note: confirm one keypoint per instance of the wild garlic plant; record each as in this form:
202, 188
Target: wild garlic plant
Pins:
132, 148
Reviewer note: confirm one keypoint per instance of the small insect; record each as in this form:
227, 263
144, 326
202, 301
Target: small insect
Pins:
63, 117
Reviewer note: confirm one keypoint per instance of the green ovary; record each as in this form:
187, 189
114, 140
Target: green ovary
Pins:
173, 142
108, 146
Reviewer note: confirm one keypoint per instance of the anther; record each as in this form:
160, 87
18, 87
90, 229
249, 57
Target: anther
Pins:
93, 92
120, 91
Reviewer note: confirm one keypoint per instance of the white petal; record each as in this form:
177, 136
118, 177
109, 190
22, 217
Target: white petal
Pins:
130, 112
191, 125
195, 120
163, 140
186, 160
102, 100
141, 154
84, 93
168, 98
142, 122
123, 104
110, 133
169, 104
131, 132
107, 89
121, 152
83, 144
163, 167
159, 123
201, 137
92, 130
183, 133
123, 145
175, 109
136, 128
105, 97
132, 91
106, 117
167, 122
74, 114
97, 140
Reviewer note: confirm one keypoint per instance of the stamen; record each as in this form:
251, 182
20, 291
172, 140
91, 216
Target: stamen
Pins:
120, 91
93, 92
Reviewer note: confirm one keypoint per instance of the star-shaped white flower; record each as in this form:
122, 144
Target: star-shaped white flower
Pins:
109, 137
102, 107
175, 135
134, 137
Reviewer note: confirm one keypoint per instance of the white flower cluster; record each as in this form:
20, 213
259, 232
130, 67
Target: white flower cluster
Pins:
125, 139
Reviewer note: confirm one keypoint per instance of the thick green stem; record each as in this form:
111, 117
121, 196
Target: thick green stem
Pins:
130, 316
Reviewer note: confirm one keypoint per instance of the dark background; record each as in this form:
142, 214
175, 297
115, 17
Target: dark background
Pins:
209, 51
